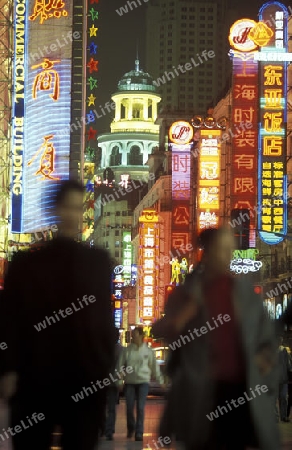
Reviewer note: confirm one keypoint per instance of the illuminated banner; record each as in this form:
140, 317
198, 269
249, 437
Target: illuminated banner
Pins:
209, 179
127, 256
148, 268
245, 143
42, 79
272, 177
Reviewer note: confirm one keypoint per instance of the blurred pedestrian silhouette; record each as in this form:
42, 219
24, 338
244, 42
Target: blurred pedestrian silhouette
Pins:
144, 367
51, 353
285, 368
223, 347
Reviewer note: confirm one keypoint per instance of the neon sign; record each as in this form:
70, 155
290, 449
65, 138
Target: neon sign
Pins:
245, 143
127, 256
47, 79
261, 34
239, 36
244, 261
209, 179
47, 9
181, 133
47, 163
90, 127
272, 178
148, 273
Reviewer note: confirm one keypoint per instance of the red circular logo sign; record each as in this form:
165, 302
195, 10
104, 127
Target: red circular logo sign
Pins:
181, 132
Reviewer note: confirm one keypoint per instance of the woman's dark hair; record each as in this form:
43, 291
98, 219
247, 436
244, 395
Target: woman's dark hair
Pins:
66, 187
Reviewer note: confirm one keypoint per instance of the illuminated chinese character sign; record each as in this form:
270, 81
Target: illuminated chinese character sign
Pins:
42, 82
180, 142
272, 180
127, 257
209, 179
148, 266
245, 141
260, 57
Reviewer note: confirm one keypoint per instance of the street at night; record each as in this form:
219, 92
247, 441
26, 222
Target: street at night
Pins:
146, 224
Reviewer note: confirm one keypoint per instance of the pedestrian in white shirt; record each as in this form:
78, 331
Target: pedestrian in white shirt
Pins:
142, 359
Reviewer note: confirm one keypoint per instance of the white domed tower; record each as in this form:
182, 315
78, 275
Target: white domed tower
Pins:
134, 133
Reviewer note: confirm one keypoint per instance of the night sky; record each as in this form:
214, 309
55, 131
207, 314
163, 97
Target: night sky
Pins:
118, 37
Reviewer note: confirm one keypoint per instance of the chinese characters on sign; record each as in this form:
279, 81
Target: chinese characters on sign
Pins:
47, 9
272, 153
181, 191
209, 179
47, 160
127, 256
245, 143
148, 280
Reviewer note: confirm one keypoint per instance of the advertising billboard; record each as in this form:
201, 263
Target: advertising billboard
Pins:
41, 110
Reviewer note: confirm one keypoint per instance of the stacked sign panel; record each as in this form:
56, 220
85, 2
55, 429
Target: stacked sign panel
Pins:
244, 121
209, 179
180, 141
273, 118
41, 110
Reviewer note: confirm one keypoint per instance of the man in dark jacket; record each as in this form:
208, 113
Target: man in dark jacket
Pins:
56, 320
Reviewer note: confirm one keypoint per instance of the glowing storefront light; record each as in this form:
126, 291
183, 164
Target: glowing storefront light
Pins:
148, 278
272, 179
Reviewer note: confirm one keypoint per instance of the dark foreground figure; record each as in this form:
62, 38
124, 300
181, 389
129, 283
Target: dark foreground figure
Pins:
227, 354
73, 349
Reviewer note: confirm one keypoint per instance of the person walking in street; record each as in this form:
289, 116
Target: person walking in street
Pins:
144, 366
224, 364
57, 322
113, 394
285, 368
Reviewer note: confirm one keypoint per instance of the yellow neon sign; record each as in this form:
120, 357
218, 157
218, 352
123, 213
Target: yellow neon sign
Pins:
48, 9
47, 79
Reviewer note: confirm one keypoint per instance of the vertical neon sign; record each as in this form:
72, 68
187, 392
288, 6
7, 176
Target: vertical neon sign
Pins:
272, 177
245, 122
209, 179
148, 268
180, 141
